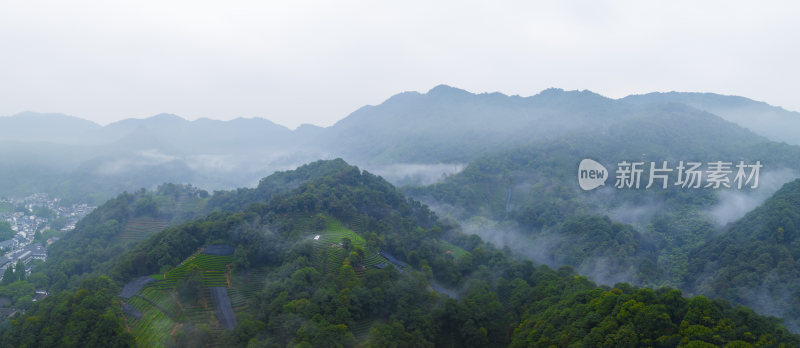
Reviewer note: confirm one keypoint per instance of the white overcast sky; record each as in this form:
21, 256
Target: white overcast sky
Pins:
315, 62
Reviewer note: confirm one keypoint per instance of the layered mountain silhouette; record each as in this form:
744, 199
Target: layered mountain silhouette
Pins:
444, 125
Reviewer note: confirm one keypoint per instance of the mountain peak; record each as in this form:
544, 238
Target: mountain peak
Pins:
445, 90
552, 91
166, 117
48, 127
51, 117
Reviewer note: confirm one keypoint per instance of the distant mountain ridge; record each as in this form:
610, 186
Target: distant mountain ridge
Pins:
43, 127
446, 125
770, 121
442, 103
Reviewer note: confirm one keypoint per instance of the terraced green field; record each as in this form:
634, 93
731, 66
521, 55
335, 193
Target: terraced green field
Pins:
212, 266
152, 329
164, 301
359, 224
138, 229
452, 249
245, 286
162, 312
331, 254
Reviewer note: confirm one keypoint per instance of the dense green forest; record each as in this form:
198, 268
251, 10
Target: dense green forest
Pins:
328, 255
530, 197
110, 230
755, 262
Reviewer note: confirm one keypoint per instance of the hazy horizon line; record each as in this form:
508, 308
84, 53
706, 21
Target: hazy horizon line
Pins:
301, 124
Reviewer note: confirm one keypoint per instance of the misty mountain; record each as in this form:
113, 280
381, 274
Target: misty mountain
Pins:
411, 138
42, 127
179, 136
445, 125
330, 255
664, 132
770, 121
528, 198
754, 261
452, 125
97, 161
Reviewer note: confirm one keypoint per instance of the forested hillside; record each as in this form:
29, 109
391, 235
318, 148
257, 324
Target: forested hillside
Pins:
115, 227
342, 258
529, 200
755, 260
532, 195
775, 123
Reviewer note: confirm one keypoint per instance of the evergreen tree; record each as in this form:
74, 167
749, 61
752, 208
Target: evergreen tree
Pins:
9, 276
20, 270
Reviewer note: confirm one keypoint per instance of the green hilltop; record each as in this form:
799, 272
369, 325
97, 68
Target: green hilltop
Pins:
287, 288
